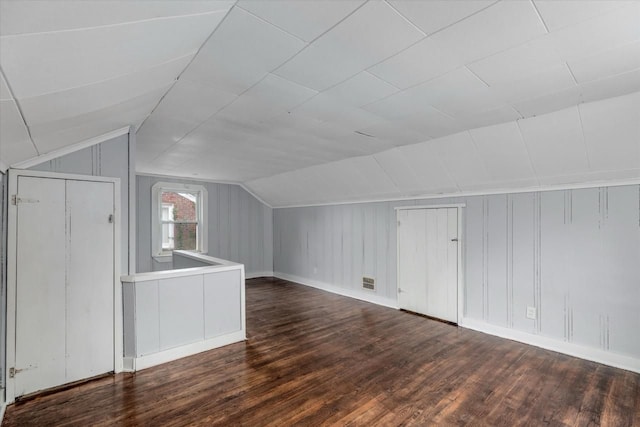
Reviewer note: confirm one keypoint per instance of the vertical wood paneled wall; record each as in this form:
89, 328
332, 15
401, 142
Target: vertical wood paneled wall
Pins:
240, 227
574, 255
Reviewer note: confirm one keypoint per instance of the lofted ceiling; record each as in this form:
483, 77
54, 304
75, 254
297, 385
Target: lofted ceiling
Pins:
321, 101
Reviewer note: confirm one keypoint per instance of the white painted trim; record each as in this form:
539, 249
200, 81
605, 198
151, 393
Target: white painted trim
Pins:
515, 190
144, 362
182, 272
3, 167
258, 274
210, 181
593, 354
445, 206
133, 185
460, 284
26, 164
12, 212
156, 225
373, 298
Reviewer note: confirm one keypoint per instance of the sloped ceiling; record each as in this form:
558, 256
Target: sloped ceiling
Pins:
320, 101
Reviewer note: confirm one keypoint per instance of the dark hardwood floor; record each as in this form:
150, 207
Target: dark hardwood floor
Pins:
314, 358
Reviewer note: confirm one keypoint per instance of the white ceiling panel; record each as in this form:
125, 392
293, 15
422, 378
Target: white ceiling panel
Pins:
433, 15
503, 152
80, 100
489, 117
618, 85
329, 109
427, 166
549, 102
397, 168
193, 102
241, 52
544, 81
401, 104
518, 62
561, 13
53, 135
559, 133
612, 132
421, 99
611, 62
40, 16
160, 132
395, 133
599, 34
272, 96
38, 64
361, 89
460, 157
511, 23
305, 19
15, 144
423, 61
373, 33
434, 125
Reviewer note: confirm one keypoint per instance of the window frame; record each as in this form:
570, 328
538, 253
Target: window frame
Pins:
158, 253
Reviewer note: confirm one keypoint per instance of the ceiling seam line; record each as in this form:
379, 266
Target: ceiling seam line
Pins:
118, 24
188, 64
405, 18
573, 76
19, 107
271, 23
477, 76
442, 163
584, 139
319, 36
535, 7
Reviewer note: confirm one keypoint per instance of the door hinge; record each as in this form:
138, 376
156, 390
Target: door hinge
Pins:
13, 372
15, 200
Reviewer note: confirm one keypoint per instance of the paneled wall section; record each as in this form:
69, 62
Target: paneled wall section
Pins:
574, 255
239, 225
108, 159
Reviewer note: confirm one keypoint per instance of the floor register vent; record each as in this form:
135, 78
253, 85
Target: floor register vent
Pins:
369, 283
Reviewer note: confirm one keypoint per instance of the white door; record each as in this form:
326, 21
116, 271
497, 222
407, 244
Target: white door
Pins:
64, 282
428, 262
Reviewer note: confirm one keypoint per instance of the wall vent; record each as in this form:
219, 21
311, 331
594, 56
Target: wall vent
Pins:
369, 283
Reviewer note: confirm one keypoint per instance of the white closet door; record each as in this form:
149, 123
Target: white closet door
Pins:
40, 291
65, 279
428, 262
90, 279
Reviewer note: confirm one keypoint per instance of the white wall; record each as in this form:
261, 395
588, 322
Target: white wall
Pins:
240, 227
574, 255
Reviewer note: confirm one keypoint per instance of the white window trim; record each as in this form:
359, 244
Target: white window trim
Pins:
157, 252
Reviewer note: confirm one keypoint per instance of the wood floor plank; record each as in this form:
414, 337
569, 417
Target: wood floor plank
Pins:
314, 358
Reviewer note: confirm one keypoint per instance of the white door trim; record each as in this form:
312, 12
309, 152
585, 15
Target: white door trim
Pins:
459, 207
12, 265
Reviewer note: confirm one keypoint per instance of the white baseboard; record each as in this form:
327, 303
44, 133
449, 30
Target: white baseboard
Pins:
255, 275
143, 362
588, 353
363, 295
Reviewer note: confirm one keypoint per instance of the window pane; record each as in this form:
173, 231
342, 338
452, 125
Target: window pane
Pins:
185, 236
184, 206
167, 236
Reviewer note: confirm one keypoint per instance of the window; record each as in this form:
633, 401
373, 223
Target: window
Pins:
179, 219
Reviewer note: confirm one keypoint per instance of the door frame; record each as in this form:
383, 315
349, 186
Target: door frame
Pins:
460, 209
12, 232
